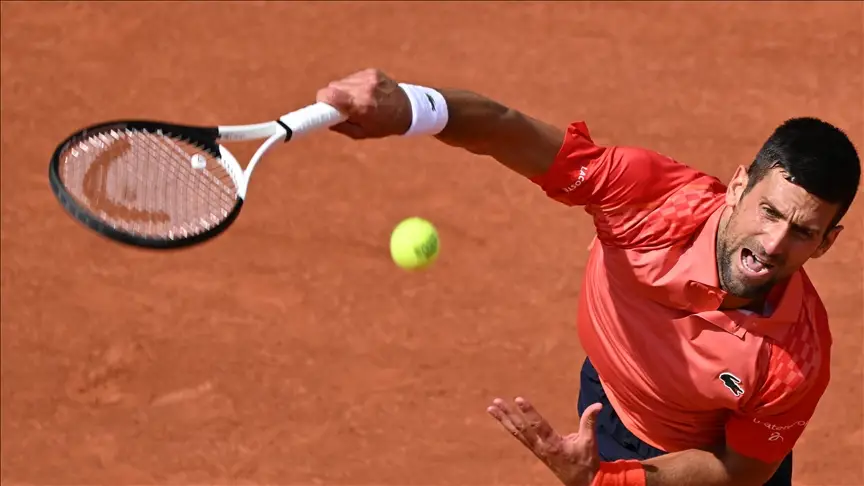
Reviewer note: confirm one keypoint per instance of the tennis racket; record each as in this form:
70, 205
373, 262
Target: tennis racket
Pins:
161, 185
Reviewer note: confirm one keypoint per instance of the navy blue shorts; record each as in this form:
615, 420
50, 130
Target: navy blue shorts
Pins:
615, 442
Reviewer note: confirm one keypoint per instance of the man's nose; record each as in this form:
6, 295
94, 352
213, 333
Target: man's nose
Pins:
774, 240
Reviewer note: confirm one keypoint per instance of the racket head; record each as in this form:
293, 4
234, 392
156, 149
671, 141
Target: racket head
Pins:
133, 181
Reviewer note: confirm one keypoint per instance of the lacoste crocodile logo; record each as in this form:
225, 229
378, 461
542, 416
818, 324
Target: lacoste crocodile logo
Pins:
732, 382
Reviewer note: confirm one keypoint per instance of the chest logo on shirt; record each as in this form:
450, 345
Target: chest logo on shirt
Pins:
732, 382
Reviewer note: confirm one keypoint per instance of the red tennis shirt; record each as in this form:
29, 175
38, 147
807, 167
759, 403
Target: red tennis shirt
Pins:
679, 372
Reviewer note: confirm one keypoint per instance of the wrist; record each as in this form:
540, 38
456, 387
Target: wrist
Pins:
429, 112
620, 473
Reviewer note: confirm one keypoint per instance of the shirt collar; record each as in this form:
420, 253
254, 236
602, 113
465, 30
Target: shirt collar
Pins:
698, 267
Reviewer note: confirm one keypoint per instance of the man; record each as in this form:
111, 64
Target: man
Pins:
708, 347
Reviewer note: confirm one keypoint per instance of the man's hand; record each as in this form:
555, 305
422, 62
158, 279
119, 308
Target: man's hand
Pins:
575, 461
374, 103
573, 458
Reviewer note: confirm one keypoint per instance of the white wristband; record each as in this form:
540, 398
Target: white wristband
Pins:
428, 110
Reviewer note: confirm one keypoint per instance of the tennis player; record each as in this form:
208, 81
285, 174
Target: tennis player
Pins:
708, 346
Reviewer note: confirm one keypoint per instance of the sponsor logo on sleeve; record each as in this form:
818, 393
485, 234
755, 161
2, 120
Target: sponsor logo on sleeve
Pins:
777, 430
780, 428
583, 172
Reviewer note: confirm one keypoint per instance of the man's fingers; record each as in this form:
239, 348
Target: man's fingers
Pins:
516, 418
503, 419
535, 421
505, 422
337, 98
506, 416
354, 96
588, 421
512, 421
371, 101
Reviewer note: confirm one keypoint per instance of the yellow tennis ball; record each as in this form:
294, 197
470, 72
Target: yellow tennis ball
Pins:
414, 244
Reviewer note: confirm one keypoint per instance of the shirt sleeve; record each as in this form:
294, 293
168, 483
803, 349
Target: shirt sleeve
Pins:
784, 405
620, 187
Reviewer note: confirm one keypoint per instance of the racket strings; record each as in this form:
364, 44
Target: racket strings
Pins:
217, 188
144, 183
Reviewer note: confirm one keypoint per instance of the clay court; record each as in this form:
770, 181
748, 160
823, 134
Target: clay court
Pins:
290, 350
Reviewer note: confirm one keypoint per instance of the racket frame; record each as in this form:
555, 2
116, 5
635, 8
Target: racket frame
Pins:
286, 128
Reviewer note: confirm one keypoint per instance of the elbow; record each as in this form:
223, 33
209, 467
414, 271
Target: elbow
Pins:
757, 478
747, 471
747, 480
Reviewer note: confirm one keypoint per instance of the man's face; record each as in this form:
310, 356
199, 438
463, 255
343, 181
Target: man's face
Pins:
772, 231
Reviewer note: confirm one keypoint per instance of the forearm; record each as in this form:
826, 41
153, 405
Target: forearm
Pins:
701, 468
485, 127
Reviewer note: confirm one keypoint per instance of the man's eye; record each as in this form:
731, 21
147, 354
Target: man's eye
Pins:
769, 213
804, 234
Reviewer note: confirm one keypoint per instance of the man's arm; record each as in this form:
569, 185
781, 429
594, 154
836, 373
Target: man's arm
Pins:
485, 127
611, 183
574, 459
378, 107
694, 467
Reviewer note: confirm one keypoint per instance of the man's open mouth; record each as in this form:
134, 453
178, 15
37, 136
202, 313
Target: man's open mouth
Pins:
752, 264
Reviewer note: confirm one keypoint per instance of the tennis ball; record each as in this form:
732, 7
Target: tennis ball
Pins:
414, 244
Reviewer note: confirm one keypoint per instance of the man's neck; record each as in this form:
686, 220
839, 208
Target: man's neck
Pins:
731, 302
763, 306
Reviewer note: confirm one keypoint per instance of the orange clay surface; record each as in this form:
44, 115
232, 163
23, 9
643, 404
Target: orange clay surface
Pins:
291, 350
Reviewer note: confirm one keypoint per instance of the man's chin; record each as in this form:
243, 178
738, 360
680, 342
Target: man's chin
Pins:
745, 288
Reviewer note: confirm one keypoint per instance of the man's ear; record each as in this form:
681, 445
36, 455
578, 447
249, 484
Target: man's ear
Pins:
828, 241
736, 187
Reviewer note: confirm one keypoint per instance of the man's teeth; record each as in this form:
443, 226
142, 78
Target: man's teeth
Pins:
751, 263
754, 264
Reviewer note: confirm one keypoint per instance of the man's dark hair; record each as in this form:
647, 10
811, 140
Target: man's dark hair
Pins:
816, 156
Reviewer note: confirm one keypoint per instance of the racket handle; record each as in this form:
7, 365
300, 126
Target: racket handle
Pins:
311, 118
